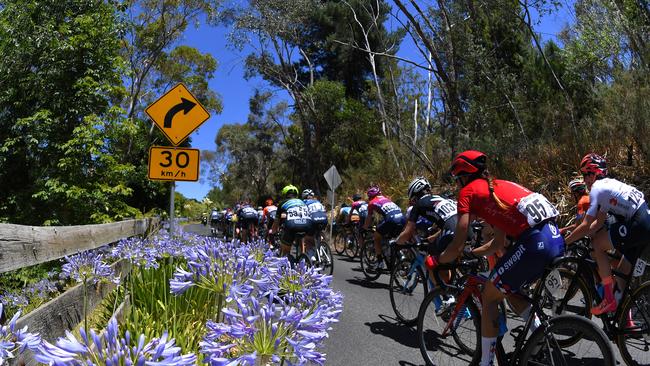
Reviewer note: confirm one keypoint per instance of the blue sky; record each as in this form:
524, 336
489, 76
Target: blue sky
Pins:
235, 91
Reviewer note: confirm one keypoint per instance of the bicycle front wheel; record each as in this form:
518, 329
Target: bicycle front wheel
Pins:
544, 345
325, 258
447, 336
633, 339
407, 289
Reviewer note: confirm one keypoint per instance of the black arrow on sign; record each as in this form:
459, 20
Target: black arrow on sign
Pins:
185, 106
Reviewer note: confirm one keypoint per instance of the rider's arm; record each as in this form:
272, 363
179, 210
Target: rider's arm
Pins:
407, 233
492, 246
433, 237
456, 247
368, 222
588, 226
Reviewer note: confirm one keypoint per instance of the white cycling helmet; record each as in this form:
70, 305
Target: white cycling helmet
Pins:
306, 193
417, 186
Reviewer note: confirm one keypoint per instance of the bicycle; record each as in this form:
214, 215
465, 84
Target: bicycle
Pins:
580, 276
369, 263
461, 321
322, 255
408, 273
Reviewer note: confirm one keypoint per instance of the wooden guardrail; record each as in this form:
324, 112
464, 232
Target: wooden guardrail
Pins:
23, 246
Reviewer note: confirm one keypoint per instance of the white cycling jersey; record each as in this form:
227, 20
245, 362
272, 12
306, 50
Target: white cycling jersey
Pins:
614, 197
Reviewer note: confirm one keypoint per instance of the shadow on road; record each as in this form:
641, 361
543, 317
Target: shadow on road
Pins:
367, 284
345, 258
391, 328
406, 363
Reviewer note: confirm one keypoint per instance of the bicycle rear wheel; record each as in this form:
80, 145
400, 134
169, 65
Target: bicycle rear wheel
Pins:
339, 243
460, 345
351, 246
369, 261
633, 340
407, 289
544, 345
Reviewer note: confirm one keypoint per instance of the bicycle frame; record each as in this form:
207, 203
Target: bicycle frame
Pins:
471, 289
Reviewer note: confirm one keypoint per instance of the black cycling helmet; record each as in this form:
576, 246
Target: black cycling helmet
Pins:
356, 197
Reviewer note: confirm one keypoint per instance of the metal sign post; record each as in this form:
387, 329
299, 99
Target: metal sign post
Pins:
333, 180
171, 208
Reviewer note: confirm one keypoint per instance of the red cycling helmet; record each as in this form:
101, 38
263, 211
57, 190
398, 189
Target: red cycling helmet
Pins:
269, 202
594, 164
468, 163
373, 191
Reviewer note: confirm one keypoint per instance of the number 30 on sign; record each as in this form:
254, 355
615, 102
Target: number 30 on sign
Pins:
168, 163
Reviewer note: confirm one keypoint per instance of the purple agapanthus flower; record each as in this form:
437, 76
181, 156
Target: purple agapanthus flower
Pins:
42, 289
268, 330
14, 341
13, 300
88, 267
111, 349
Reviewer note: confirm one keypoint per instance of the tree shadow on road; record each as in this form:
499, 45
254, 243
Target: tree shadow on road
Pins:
367, 284
393, 329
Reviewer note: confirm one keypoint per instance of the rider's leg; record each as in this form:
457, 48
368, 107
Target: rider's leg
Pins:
601, 244
377, 239
490, 298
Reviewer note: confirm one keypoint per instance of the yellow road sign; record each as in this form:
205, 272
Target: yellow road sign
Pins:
173, 163
177, 113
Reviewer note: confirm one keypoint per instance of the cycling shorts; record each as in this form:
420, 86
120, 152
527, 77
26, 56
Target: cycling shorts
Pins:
446, 237
291, 230
526, 260
631, 236
248, 220
390, 228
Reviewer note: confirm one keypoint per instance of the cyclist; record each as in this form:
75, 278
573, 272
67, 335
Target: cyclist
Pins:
316, 210
513, 211
579, 191
358, 211
433, 209
628, 229
247, 218
268, 218
392, 219
294, 215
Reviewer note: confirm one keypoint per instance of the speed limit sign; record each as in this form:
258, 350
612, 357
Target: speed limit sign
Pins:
169, 163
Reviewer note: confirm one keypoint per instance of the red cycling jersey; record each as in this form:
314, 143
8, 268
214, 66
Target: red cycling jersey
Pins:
475, 199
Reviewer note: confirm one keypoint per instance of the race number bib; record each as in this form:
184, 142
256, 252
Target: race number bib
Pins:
639, 268
298, 214
445, 209
316, 207
553, 281
536, 208
389, 207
